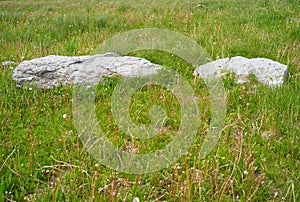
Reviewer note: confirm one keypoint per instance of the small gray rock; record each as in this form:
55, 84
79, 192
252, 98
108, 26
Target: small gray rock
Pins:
53, 70
267, 71
8, 63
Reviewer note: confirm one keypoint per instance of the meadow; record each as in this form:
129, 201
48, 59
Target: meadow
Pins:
257, 157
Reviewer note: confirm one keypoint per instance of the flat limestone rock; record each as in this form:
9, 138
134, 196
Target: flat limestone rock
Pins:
54, 70
266, 71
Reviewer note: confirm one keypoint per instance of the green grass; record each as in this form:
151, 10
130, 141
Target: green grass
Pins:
257, 156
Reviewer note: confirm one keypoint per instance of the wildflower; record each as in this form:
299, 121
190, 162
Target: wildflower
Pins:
136, 199
64, 116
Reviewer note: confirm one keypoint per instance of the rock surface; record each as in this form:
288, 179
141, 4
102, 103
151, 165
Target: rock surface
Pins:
52, 70
267, 71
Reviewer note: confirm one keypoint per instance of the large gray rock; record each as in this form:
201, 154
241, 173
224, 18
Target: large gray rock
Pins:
267, 71
52, 70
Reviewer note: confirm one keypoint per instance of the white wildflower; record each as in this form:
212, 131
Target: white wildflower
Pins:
136, 199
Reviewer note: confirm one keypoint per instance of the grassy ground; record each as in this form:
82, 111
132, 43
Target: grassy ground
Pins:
257, 156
